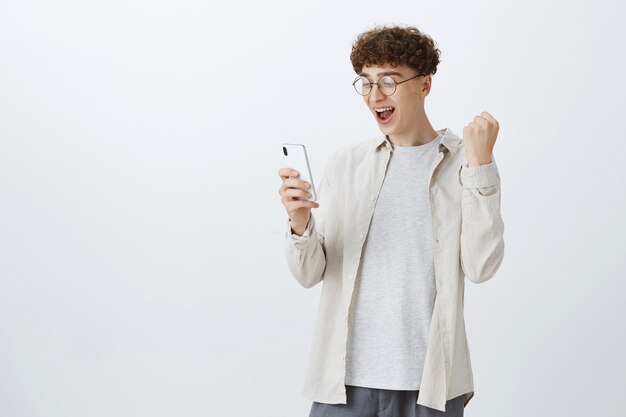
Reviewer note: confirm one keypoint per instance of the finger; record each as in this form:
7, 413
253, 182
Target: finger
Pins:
296, 183
290, 199
287, 172
297, 204
489, 117
295, 192
480, 120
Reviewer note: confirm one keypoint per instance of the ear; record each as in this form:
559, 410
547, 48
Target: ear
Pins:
427, 83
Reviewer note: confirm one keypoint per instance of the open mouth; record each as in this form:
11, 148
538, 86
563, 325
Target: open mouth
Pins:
385, 114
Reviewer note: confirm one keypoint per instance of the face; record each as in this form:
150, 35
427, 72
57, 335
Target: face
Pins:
407, 102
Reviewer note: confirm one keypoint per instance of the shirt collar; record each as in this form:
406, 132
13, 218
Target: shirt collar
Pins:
450, 141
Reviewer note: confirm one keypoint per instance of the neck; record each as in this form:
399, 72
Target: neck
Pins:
419, 133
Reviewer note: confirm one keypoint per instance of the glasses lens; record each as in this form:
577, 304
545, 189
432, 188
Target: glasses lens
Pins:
362, 86
387, 85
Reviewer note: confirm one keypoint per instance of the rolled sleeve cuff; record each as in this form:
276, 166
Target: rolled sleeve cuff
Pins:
306, 235
479, 176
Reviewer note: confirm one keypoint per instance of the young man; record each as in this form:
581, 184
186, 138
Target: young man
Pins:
402, 220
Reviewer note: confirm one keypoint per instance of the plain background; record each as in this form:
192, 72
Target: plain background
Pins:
141, 232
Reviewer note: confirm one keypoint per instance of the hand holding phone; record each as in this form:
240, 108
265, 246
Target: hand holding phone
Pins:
297, 197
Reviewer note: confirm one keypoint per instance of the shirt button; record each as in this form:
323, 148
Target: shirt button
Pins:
372, 197
360, 235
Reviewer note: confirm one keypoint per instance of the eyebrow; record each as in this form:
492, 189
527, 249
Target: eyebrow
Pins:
380, 74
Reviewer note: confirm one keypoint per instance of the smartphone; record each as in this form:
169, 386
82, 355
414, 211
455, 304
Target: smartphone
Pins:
296, 158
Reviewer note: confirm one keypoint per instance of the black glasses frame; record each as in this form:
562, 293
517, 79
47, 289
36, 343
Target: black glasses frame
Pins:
376, 84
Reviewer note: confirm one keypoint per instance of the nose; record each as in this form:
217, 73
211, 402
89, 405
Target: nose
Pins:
376, 93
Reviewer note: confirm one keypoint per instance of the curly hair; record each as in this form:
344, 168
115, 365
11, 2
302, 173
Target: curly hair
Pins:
395, 45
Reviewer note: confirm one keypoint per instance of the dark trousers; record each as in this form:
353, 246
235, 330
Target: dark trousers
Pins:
374, 402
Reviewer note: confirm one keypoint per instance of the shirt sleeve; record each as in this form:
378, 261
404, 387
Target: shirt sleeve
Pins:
304, 238
306, 254
482, 228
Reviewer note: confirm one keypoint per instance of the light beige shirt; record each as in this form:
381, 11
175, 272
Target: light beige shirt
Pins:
468, 242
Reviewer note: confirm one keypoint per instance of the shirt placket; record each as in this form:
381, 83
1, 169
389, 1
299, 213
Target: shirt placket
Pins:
379, 175
436, 249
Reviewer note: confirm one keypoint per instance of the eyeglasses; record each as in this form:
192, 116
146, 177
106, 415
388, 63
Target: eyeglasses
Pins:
386, 84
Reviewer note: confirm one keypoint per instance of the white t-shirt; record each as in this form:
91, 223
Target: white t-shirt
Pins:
392, 305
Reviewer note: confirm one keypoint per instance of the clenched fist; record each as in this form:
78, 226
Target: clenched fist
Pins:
479, 137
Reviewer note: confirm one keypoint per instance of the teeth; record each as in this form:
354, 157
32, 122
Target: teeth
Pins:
383, 109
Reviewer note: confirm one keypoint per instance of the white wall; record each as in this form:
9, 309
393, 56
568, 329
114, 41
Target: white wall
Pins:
141, 230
